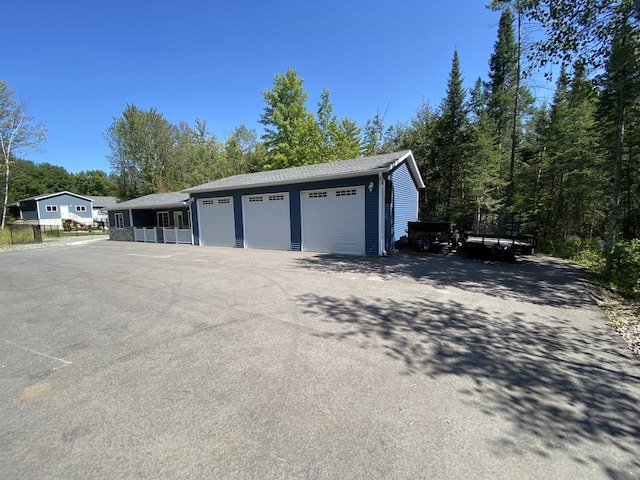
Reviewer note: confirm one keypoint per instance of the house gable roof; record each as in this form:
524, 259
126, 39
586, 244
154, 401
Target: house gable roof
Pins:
320, 171
153, 200
49, 195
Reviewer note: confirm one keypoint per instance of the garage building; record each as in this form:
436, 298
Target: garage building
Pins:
359, 206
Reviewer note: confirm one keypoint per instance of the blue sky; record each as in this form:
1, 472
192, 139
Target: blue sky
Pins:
77, 63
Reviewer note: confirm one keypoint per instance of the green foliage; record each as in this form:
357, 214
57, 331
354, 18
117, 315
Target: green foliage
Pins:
291, 135
340, 138
29, 179
243, 153
502, 73
374, 136
196, 157
626, 268
452, 138
5, 237
590, 253
142, 145
346, 140
93, 182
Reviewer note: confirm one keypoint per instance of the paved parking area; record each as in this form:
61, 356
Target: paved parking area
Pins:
134, 361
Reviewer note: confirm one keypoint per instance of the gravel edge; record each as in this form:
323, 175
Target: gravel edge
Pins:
623, 316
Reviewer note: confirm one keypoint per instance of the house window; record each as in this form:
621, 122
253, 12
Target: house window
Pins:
275, 197
255, 199
344, 193
119, 218
163, 219
52, 208
81, 208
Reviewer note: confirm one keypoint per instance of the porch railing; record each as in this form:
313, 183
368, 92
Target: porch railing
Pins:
76, 218
176, 235
145, 234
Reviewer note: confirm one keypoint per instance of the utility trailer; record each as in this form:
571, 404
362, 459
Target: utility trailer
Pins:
498, 234
500, 246
430, 236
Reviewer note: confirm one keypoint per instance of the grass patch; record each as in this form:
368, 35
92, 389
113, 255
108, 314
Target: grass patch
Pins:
5, 237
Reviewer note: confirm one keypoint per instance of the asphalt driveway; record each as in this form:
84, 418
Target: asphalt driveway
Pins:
133, 361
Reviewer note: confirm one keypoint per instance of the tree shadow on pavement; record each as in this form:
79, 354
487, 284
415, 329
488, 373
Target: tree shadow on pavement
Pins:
537, 279
570, 387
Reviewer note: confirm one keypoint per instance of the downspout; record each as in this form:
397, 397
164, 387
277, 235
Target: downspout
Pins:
381, 245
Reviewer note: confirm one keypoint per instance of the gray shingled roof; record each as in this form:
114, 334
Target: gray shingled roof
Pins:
319, 171
101, 202
153, 200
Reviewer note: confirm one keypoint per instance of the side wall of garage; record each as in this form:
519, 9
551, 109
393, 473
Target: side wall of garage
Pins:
401, 204
294, 190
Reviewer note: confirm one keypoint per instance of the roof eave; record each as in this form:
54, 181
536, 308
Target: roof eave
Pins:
148, 207
49, 195
413, 167
289, 182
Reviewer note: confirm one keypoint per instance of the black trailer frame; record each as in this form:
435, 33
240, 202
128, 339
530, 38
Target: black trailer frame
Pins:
430, 236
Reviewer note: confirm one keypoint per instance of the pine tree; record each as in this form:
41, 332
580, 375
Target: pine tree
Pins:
339, 138
586, 184
621, 92
483, 168
452, 139
508, 100
420, 140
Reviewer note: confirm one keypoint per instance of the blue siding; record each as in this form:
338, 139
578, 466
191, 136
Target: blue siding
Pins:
404, 204
147, 217
296, 227
65, 199
388, 227
237, 216
371, 208
125, 217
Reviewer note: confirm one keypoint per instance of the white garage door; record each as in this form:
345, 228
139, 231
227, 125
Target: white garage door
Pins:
267, 221
333, 220
216, 222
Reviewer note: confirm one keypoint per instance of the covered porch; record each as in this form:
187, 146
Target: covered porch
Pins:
155, 218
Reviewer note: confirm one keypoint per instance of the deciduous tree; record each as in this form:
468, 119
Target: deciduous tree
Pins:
142, 146
18, 132
291, 135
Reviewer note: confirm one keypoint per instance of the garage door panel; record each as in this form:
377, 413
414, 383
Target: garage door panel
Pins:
217, 222
333, 220
267, 221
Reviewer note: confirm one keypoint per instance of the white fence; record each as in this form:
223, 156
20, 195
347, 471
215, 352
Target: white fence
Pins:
143, 234
176, 235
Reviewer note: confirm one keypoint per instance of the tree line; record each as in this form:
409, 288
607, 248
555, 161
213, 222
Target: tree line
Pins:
569, 166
